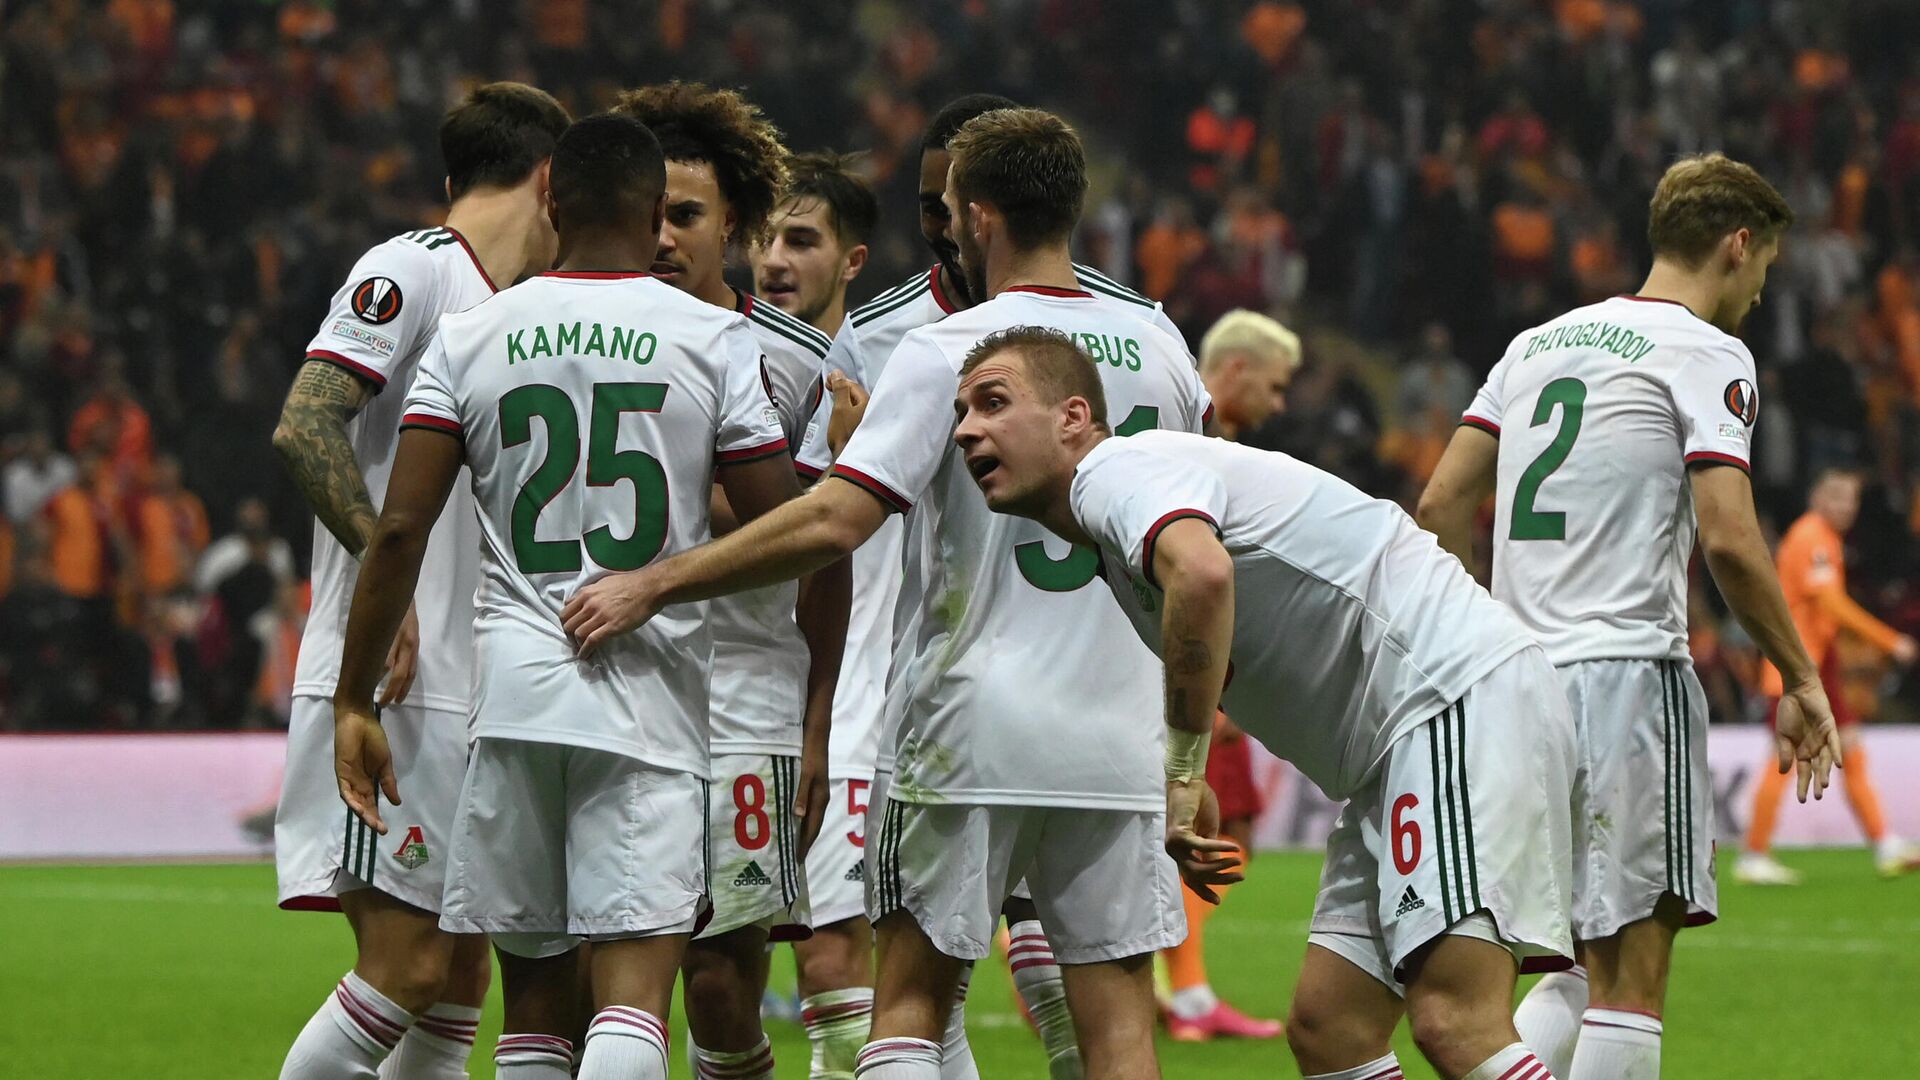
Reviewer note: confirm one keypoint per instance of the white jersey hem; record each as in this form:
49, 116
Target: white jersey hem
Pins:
436, 702
1055, 799
698, 768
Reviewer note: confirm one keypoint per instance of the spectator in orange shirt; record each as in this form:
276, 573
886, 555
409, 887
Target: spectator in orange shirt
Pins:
111, 421
1813, 576
172, 529
83, 533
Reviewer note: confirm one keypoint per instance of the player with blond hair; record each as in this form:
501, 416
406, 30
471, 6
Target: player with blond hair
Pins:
1609, 438
1249, 361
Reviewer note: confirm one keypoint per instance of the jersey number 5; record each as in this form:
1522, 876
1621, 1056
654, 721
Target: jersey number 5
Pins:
605, 466
1080, 566
1528, 523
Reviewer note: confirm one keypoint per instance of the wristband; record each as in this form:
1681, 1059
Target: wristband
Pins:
1186, 755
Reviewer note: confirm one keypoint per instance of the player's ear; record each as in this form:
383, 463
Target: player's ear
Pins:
543, 175
446, 184
1738, 245
553, 208
856, 262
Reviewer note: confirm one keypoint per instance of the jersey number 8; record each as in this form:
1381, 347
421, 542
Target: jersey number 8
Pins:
605, 466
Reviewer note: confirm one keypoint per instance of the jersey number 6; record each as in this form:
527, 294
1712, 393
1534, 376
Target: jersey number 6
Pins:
605, 466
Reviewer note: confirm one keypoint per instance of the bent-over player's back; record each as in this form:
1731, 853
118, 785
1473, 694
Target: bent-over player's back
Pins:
1599, 414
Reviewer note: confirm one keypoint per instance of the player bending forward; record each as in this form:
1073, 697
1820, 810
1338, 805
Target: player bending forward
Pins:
1334, 631
1605, 436
583, 814
414, 991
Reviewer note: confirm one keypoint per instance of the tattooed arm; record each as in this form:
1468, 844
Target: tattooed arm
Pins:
311, 440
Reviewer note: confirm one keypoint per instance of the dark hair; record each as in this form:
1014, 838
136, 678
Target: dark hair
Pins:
828, 177
498, 134
1057, 369
954, 115
1026, 163
695, 122
607, 170
1702, 199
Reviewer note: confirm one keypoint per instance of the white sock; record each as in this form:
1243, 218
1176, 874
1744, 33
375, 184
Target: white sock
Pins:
625, 1043
1617, 1045
436, 1047
349, 1037
1889, 846
838, 1022
1037, 977
1516, 1062
898, 1059
1549, 1017
754, 1064
1193, 1002
1386, 1068
956, 1053
533, 1057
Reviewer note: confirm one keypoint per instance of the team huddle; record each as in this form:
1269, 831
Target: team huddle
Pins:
869, 629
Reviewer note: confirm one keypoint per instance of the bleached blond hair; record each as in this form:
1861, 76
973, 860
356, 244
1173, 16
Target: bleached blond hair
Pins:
1241, 330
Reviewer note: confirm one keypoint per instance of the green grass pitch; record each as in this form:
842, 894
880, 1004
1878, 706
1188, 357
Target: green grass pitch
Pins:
162, 972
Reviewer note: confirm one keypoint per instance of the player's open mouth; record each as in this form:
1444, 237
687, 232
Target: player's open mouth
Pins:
781, 289
664, 269
981, 465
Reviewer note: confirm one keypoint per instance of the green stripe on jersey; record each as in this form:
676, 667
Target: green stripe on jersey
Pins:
787, 332
1094, 281
891, 302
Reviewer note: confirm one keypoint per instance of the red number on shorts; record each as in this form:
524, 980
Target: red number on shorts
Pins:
1405, 861
751, 829
857, 810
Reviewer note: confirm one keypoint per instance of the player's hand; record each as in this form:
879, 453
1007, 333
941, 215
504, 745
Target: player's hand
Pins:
810, 799
849, 405
1805, 736
1193, 828
403, 660
1905, 650
362, 763
612, 605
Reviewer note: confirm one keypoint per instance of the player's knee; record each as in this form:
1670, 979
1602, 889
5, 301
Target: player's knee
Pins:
414, 981
834, 959
1452, 1032
469, 972
1322, 1035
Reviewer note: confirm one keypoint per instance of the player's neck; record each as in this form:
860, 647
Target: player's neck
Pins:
829, 320
1049, 266
1696, 291
498, 224
717, 292
604, 254
1059, 517
952, 292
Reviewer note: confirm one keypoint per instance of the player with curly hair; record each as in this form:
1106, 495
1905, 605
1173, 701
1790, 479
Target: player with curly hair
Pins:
772, 689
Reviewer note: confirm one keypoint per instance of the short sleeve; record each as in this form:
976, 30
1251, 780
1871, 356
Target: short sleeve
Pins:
1717, 403
1124, 497
431, 401
1202, 413
383, 314
908, 427
750, 426
1489, 404
815, 455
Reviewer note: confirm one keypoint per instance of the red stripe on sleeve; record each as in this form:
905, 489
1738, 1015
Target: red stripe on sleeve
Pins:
378, 380
430, 422
1482, 423
751, 453
1153, 534
873, 487
806, 471
1708, 457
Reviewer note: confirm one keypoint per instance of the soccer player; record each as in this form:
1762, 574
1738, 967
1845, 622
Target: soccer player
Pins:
817, 246
1608, 437
860, 352
1334, 631
584, 804
1247, 361
414, 991
816, 242
1023, 750
772, 687
1813, 577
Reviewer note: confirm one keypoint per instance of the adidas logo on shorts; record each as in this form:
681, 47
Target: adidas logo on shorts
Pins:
856, 872
1409, 901
750, 877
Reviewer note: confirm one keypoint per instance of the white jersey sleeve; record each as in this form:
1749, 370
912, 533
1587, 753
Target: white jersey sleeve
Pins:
1717, 403
1489, 409
815, 456
388, 308
430, 401
905, 435
750, 426
1125, 498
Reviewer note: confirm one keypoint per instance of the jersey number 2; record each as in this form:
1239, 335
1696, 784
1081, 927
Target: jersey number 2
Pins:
605, 466
1081, 565
1528, 523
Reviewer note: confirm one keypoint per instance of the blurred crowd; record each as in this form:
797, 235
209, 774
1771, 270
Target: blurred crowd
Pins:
1407, 182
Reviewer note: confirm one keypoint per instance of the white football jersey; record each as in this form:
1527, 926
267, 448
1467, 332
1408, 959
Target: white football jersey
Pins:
1021, 684
760, 658
1351, 626
593, 408
1599, 413
377, 327
886, 575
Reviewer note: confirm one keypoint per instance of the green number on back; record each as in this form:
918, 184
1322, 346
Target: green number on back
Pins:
1528, 523
518, 407
606, 465
1077, 568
